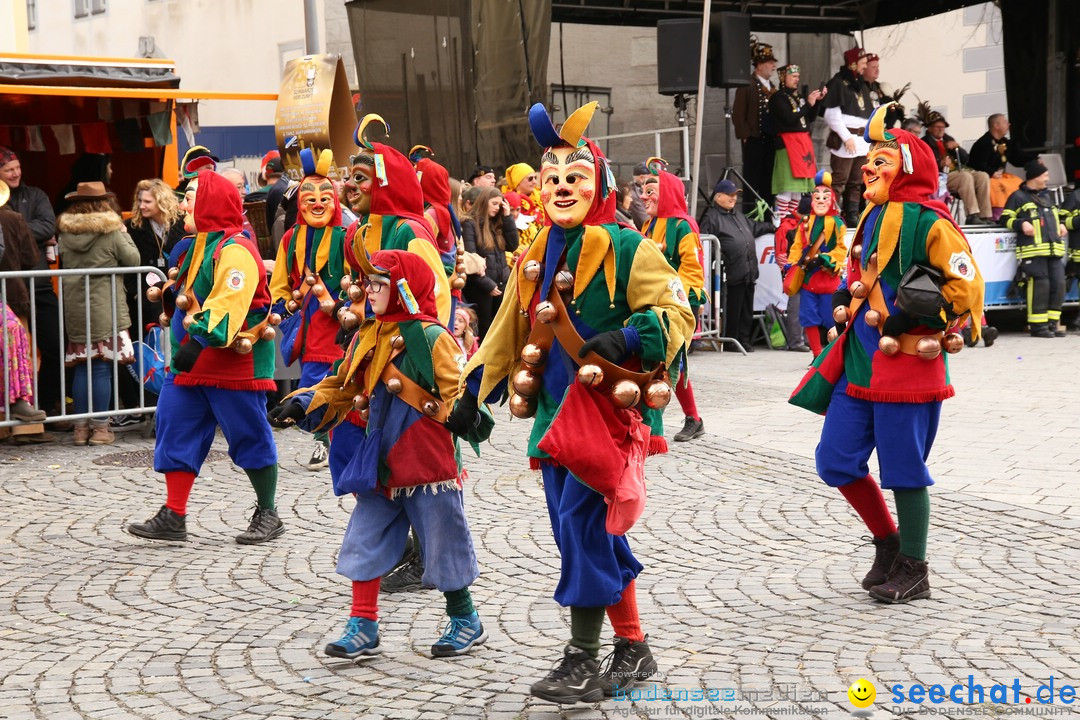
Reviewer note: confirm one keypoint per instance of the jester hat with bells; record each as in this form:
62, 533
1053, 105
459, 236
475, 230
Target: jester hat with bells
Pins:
891, 227
328, 260
599, 224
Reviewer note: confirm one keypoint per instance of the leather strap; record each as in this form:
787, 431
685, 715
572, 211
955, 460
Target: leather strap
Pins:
876, 298
413, 394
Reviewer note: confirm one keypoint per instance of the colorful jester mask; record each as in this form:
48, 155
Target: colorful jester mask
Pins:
316, 199
358, 183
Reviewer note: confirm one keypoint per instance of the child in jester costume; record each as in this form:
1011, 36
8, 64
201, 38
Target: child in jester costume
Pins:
222, 363
912, 283
587, 292
815, 262
676, 234
399, 376
306, 282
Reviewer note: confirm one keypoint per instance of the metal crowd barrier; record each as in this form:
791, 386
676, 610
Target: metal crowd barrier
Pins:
31, 279
713, 313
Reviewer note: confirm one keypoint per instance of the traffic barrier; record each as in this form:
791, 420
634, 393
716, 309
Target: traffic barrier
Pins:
712, 313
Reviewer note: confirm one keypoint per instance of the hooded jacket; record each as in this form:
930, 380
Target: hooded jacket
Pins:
223, 270
677, 236
94, 240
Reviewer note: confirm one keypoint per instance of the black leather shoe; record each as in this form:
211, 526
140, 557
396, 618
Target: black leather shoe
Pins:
265, 525
166, 525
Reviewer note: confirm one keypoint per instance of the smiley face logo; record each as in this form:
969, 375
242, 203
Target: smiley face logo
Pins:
862, 693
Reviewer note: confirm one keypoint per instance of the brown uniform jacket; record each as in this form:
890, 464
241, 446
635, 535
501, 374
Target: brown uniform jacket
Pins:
748, 109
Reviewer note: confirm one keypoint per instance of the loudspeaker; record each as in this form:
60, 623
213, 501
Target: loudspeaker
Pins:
729, 50
678, 54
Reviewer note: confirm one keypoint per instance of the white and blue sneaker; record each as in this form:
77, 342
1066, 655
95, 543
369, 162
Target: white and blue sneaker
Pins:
461, 633
361, 638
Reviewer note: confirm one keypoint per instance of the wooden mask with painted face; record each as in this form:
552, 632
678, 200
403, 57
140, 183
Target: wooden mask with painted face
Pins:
568, 184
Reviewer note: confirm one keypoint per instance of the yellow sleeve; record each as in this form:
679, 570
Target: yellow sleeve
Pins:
448, 360
654, 286
280, 285
838, 255
794, 253
690, 271
948, 250
500, 352
236, 277
427, 250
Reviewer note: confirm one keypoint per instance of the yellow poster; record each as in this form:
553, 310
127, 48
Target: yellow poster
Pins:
314, 110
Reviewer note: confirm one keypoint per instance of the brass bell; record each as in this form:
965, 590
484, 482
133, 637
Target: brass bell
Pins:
526, 384
274, 319
928, 348
346, 281
183, 302
533, 355
953, 343
297, 295
397, 342
188, 321
545, 311
430, 408
522, 407
872, 262
458, 283
356, 293
888, 345
348, 319
859, 289
360, 402
268, 333
292, 306
394, 386
173, 272
327, 305
564, 280
856, 251
153, 294
872, 318
531, 270
839, 314
590, 375
460, 269
832, 334
364, 414
163, 320
625, 393
657, 394
319, 289
310, 279
242, 346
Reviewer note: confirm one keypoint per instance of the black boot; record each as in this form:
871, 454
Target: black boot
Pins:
885, 551
166, 525
989, 335
1041, 330
408, 574
628, 663
575, 679
909, 580
265, 525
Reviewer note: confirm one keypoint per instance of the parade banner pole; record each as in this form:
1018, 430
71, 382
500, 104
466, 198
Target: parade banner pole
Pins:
700, 111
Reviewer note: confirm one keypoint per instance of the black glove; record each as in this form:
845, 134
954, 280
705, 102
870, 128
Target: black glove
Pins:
841, 297
814, 262
187, 355
465, 417
898, 323
286, 414
609, 345
790, 235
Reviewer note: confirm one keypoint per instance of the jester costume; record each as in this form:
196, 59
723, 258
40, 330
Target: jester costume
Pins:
396, 383
439, 210
817, 254
620, 295
221, 365
308, 270
676, 234
912, 282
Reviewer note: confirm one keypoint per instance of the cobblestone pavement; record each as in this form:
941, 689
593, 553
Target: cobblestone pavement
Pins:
751, 580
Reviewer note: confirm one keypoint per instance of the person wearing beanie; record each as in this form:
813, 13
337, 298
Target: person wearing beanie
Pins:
1040, 248
881, 381
482, 176
585, 304
525, 181
815, 262
847, 108
221, 330
750, 112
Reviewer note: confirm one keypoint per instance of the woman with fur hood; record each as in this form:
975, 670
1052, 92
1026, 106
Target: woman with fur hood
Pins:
92, 235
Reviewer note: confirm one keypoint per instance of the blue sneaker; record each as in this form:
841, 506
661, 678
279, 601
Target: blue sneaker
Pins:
361, 637
462, 632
